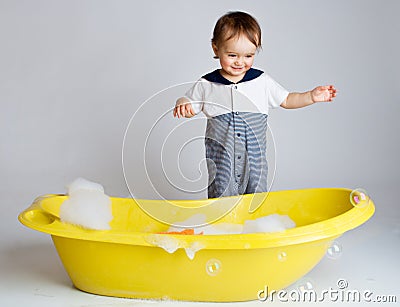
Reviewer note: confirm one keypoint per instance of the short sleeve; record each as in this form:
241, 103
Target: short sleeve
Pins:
196, 96
276, 93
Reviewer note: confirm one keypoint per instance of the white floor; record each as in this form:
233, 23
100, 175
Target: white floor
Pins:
32, 275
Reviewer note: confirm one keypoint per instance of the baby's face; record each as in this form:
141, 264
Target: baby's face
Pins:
236, 56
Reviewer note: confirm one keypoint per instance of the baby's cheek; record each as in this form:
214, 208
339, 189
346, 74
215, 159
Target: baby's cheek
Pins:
249, 63
225, 62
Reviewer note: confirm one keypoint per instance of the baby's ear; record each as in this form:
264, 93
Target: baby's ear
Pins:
215, 49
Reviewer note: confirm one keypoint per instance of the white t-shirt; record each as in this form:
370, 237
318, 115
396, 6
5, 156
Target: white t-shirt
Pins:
257, 92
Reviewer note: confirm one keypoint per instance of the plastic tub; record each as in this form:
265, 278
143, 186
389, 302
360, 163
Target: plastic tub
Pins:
126, 261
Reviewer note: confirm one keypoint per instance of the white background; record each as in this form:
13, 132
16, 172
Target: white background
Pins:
73, 73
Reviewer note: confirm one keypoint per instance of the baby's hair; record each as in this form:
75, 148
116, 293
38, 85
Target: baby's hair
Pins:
234, 24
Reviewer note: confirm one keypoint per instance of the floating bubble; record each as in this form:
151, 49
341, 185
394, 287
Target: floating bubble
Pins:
335, 250
359, 198
282, 256
213, 267
165, 298
305, 285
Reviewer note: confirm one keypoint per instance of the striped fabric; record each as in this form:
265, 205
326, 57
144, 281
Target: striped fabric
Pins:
236, 154
235, 139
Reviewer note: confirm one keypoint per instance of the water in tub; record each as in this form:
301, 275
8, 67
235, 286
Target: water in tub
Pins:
270, 223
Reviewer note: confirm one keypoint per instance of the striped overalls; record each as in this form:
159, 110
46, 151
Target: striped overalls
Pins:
236, 154
235, 138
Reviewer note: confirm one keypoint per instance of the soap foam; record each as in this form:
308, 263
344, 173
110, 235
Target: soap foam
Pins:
268, 223
168, 243
87, 206
221, 229
83, 184
193, 249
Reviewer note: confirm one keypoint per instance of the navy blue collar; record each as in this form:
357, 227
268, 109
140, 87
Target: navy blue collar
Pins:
216, 76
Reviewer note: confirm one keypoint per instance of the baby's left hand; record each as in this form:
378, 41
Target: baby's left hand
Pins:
323, 93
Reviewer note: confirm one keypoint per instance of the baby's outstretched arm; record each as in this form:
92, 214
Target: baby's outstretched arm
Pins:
319, 94
183, 108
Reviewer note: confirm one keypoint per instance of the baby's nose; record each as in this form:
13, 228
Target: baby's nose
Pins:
239, 60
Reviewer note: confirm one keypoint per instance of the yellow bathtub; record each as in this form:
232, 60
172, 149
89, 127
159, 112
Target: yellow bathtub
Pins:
127, 262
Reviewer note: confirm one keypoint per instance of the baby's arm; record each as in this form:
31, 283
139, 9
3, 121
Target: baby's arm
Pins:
319, 94
183, 108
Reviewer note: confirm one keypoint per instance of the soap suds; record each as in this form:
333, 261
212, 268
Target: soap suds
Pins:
268, 223
193, 249
168, 243
87, 206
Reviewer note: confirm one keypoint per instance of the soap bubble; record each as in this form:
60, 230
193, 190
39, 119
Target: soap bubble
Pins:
359, 198
282, 256
335, 250
305, 285
213, 267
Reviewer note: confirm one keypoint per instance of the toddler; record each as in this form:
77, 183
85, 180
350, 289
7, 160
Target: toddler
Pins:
236, 99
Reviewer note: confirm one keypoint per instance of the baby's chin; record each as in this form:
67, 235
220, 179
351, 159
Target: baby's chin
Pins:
237, 74
234, 76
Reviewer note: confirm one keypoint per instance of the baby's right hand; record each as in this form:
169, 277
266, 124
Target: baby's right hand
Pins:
183, 108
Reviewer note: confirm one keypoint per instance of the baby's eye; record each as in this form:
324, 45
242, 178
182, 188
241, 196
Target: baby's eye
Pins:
249, 56
231, 55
